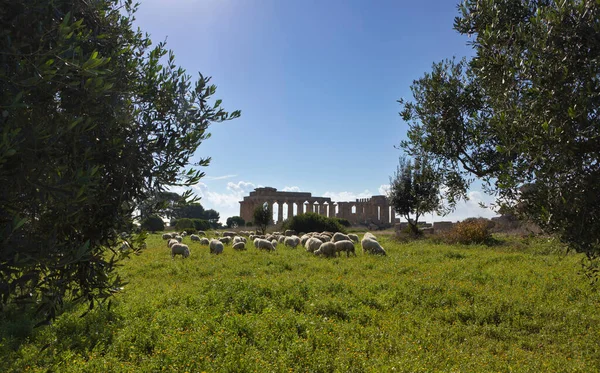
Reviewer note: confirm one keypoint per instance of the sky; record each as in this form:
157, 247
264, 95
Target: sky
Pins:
317, 83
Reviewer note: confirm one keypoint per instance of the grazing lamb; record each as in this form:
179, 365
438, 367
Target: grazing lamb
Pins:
179, 238
195, 237
239, 246
326, 249
339, 237
304, 238
201, 233
274, 242
216, 247
345, 245
180, 249
290, 232
263, 244
204, 241
226, 240
313, 244
166, 236
172, 242
229, 234
370, 236
237, 239
353, 237
372, 247
291, 241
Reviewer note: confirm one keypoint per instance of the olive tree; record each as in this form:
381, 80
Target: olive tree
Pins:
262, 217
522, 114
94, 119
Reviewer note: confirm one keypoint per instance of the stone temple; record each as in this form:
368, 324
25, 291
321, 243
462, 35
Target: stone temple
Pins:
374, 210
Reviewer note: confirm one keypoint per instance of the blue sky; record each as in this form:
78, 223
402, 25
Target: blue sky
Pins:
317, 83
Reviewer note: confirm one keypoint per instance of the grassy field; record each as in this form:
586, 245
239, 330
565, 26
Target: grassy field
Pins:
519, 306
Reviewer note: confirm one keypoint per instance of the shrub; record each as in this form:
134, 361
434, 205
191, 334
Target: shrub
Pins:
249, 224
470, 231
344, 222
311, 222
153, 223
184, 223
201, 224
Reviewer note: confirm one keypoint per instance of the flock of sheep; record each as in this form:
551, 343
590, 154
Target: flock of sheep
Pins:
325, 244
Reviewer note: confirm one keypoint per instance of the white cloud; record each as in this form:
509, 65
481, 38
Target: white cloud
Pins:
384, 189
347, 196
219, 177
291, 189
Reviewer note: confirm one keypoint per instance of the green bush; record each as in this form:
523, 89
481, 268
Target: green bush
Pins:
470, 231
184, 223
311, 222
249, 224
153, 223
344, 222
201, 224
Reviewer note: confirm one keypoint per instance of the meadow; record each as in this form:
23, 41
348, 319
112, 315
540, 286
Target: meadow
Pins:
521, 306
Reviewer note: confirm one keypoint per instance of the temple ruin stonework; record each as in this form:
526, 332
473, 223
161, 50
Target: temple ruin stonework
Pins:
374, 210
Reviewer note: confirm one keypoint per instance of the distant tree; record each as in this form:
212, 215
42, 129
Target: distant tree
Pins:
212, 217
522, 114
153, 223
93, 120
163, 203
262, 217
235, 221
415, 190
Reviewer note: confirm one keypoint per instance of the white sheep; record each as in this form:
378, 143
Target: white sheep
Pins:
305, 238
229, 234
338, 236
239, 246
237, 239
179, 238
226, 240
274, 242
372, 247
263, 244
345, 245
201, 233
291, 241
353, 237
172, 242
313, 244
180, 249
216, 247
166, 236
290, 232
204, 241
194, 237
326, 249
370, 236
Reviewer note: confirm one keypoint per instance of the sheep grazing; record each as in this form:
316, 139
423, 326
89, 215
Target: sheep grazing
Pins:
204, 241
345, 245
195, 237
281, 239
180, 249
340, 237
313, 244
179, 238
370, 236
353, 237
326, 249
229, 234
274, 242
263, 244
172, 242
239, 246
304, 238
183, 234
166, 236
201, 233
290, 232
292, 241
216, 247
372, 247
226, 240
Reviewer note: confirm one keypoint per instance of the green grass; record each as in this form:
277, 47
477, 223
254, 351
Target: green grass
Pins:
520, 306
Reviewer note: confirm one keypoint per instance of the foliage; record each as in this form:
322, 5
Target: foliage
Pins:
94, 119
423, 308
235, 221
343, 222
249, 224
415, 190
161, 203
470, 231
201, 224
184, 223
263, 215
522, 114
153, 223
192, 211
312, 222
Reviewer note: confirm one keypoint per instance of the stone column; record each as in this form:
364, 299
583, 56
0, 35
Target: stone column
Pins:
279, 212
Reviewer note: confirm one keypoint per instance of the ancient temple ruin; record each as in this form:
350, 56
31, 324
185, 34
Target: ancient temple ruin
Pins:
374, 210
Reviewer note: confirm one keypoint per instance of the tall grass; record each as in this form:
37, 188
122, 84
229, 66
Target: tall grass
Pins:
521, 307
